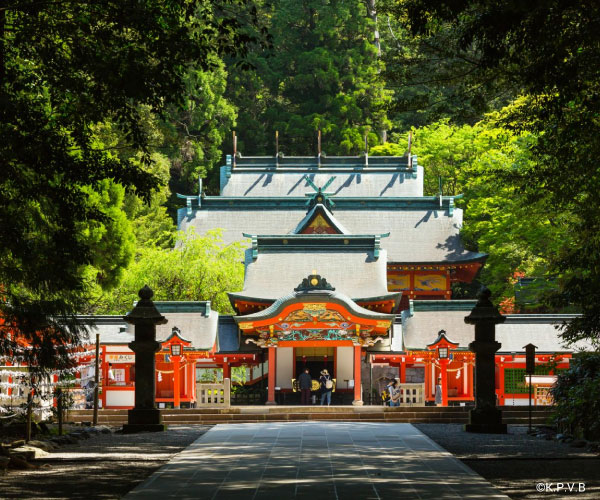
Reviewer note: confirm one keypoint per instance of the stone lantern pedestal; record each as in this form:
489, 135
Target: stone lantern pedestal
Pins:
485, 417
145, 416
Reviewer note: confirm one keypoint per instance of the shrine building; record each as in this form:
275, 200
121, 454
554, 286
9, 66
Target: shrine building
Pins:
348, 267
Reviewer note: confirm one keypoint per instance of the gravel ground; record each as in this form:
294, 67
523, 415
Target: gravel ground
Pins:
516, 462
104, 466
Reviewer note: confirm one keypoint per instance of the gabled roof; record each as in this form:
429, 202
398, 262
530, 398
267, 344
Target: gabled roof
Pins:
419, 233
316, 296
421, 329
357, 273
355, 176
112, 329
197, 328
319, 210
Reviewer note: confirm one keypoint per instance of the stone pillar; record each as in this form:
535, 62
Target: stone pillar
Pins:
485, 417
271, 375
144, 316
357, 381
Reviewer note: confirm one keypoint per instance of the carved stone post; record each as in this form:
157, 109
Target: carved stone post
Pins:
144, 316
485, 417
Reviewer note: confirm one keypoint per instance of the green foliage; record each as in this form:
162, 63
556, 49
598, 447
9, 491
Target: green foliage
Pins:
447, 151
194, 131
537, 50
387, 149
323, 73
198, 268
520, 236
577, 396
112, 239
66, 67
152, 225
433, 76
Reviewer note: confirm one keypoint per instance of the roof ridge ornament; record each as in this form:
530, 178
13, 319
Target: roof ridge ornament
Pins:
313, 282
320, 196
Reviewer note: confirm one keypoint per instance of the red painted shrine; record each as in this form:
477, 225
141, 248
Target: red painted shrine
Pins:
348, 267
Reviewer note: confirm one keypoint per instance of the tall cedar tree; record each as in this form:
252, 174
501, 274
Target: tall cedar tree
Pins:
64, 67
322, 73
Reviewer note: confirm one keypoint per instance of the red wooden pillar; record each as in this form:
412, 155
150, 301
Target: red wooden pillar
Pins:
402, 370
357, 381
104, 377
500, 384
271, 381
444, 375
470, 382
176, 382
193, 380
227, 370
427, 380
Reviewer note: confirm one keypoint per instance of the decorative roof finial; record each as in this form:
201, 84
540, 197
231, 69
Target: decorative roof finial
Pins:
313, 282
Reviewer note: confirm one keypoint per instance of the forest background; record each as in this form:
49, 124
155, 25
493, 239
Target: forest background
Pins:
501, 101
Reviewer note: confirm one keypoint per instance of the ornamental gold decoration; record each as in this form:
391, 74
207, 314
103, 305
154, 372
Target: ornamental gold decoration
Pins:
313, 307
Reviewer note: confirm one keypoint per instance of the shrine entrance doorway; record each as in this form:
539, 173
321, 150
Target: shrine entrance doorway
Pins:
315, 359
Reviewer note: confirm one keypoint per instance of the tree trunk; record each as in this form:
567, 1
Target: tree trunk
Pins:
372, 13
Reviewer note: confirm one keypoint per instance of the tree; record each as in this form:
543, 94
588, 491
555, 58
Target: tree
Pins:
433, 77
538, 48
577, 397
198, 268
519, 236
322, 74
193, 132
65, 67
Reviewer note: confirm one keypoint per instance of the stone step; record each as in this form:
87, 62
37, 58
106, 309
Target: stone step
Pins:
433, 414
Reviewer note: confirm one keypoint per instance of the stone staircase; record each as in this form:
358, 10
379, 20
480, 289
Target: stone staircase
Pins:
261, 414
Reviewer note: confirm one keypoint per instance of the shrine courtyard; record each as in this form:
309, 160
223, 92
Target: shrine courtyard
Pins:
312, 459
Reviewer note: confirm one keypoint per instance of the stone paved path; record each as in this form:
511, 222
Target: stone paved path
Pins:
314, 460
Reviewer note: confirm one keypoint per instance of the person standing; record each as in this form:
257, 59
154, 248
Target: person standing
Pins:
438, 392
394, 393
305, 383
326, 387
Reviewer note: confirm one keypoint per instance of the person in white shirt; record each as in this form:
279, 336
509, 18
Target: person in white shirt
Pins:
394, 391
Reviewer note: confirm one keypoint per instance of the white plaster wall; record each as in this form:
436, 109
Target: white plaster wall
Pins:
285, 370
120, 398
344, 366
518, 402
116, 348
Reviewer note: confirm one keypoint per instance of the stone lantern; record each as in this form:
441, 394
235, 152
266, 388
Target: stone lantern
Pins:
485, 417
144, 316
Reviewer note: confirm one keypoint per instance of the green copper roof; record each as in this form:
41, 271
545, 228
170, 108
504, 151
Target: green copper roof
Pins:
441, 305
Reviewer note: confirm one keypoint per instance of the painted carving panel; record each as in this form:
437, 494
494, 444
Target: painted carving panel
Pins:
430, 282
398, 282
